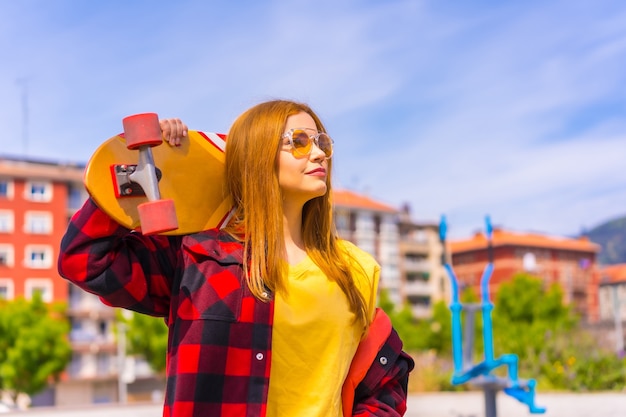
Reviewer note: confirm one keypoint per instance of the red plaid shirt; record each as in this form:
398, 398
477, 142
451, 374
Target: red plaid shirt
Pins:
219, 345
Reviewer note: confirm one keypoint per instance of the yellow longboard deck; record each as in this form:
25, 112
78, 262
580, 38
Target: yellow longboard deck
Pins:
192, 175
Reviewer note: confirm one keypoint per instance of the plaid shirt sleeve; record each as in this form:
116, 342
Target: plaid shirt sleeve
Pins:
383, 391
124, 268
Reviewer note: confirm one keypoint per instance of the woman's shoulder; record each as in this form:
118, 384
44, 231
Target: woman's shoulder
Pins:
360, 255
364, 261
365, 272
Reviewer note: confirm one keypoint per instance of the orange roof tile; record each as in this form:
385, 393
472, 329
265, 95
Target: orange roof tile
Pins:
508, 238
345, 198
613, 273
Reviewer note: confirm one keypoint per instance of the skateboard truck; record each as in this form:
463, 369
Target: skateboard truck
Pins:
123, 181
142, 132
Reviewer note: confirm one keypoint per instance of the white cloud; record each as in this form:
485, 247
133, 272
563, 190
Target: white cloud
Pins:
508, 110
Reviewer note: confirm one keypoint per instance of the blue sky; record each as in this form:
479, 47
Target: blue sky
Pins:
516, 109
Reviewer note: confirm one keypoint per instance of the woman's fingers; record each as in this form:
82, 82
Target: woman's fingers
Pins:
173, 130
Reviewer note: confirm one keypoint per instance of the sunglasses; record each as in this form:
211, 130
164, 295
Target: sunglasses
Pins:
302, 143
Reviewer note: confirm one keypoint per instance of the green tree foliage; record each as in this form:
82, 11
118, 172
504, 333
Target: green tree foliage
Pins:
384, 302
529, 320
526, 316
34, 348
147, 337
435, 333
402, 320
534, 323
574, 361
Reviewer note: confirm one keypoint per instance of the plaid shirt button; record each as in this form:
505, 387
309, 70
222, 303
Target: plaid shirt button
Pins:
383, 360
259, 356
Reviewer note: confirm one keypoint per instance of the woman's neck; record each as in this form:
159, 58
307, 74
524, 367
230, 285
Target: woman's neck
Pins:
292, 234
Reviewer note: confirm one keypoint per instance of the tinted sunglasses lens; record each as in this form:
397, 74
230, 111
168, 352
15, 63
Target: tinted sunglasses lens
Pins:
301, 142
325, 144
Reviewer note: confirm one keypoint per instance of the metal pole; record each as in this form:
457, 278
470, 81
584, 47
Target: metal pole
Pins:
490, 401
468, 336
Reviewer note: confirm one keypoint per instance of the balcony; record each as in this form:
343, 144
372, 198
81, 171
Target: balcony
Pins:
414, 265
414, 246
82, 337
417, 288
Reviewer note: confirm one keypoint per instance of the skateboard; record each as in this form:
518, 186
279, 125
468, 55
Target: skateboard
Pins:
147, 185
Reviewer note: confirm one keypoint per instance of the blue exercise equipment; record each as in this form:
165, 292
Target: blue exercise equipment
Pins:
480, 374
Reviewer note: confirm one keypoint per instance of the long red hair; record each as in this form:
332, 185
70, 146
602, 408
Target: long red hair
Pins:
252, 147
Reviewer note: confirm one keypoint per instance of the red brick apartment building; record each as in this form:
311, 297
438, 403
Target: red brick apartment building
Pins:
565, 261
35, 202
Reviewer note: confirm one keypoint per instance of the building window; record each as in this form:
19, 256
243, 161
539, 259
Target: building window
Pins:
353, 219
103, 364
529, 261
419, 300
6, 289
38, 222
6, 255
6, 221
418, 276
76, 197
38, 191
341, 220
76, 365
6, 188
41, 286
38, 256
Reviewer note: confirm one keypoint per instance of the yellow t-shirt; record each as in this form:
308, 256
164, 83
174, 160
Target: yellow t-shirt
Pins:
314, 338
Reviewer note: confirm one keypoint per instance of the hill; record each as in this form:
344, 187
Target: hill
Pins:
611, 236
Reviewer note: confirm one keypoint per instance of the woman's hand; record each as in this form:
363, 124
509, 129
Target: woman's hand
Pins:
174, 130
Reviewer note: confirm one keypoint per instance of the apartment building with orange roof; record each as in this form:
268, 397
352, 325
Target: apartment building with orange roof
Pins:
424, 280
612, 292
612, 300
409, 252
569, 262
37, 198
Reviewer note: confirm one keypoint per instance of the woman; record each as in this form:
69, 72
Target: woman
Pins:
302, 301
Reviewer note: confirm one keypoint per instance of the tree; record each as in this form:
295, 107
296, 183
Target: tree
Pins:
147, 337
402, 320
435, 333
526, 316
534, 323
34, 348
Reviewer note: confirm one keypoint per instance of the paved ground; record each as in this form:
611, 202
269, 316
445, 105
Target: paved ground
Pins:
558, 405
423, 405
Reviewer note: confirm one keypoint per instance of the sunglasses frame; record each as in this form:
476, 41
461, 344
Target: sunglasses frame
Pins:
312, 139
